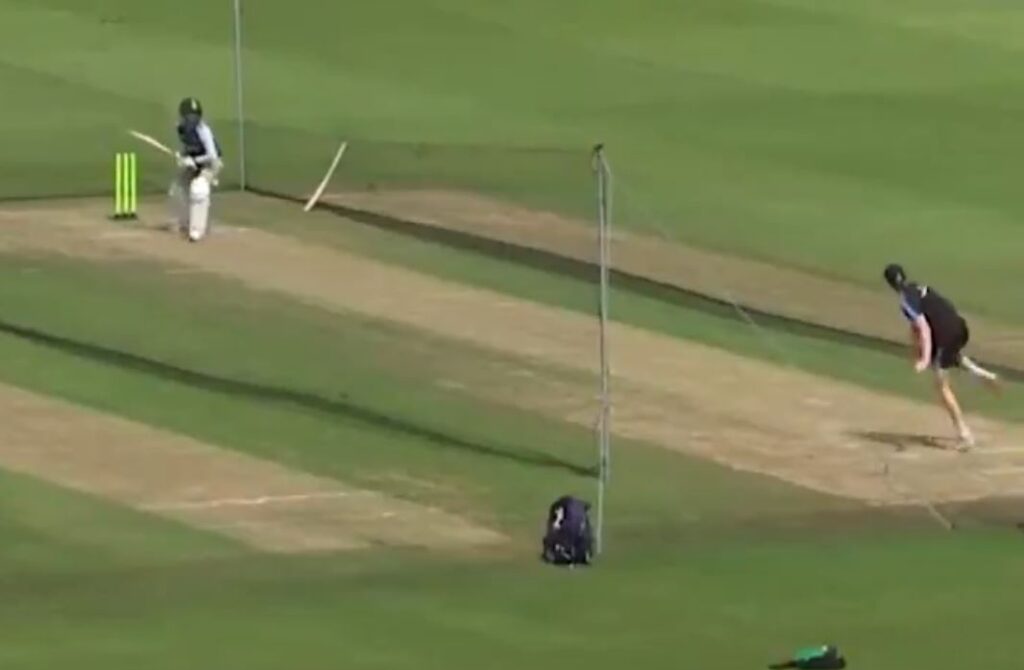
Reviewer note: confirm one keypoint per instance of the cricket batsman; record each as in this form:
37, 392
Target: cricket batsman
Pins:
199, 163
940, 335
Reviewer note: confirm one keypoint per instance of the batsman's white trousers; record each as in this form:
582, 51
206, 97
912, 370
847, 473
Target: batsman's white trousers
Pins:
191, 198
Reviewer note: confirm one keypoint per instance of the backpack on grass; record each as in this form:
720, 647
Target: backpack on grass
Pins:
569, 538
824, 657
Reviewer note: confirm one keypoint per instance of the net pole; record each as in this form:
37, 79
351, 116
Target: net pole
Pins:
239, 95
604, 417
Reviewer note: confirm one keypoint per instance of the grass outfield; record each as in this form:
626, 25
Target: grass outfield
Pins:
823, 136
337, 395
721, 606
700, 554
863, 366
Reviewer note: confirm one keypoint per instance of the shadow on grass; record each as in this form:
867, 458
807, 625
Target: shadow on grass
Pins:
903, 441
588, 271
342, 407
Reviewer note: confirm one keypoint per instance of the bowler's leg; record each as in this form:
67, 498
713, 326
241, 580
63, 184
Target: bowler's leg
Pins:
988, 377
952, 406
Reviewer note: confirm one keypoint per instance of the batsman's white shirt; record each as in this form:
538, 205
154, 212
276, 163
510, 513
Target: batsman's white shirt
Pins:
211, 158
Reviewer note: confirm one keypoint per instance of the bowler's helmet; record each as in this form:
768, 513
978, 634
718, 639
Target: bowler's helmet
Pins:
894, 275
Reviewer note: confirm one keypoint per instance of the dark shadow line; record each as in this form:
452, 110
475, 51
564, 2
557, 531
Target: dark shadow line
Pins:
903, 441
341, 407
555, 263
56, 196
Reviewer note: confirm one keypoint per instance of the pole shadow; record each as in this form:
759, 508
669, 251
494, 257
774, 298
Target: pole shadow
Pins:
336, 407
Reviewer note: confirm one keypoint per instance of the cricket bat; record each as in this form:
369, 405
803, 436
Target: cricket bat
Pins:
151, 141
160, 146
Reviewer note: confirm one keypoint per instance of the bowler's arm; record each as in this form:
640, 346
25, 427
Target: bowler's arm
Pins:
923, 341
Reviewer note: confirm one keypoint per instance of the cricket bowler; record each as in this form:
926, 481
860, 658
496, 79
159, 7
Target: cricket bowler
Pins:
199, 163
940, 334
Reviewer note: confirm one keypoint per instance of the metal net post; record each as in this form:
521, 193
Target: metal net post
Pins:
603, 171
239, 94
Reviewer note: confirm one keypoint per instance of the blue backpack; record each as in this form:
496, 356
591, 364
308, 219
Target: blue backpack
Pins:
569, 538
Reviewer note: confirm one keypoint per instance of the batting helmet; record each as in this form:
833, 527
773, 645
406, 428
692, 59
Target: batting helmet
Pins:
190, 107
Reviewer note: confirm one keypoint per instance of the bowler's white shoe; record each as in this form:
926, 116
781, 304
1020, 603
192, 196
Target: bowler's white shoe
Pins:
966, 439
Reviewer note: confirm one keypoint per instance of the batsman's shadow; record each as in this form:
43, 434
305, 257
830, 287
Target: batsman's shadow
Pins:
904, 441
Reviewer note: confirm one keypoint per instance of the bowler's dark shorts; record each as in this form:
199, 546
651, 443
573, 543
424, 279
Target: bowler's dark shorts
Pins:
949, 344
